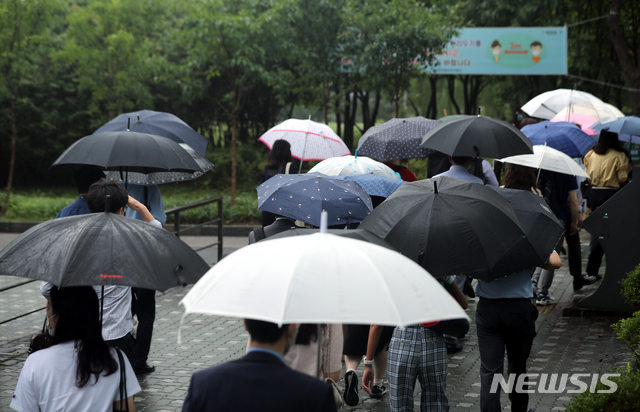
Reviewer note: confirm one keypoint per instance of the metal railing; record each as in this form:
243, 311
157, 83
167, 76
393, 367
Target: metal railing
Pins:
176, 221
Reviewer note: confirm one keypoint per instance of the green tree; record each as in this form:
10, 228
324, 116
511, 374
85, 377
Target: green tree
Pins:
232, 43
24, 42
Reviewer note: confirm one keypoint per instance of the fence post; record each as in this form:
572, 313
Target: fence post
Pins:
220, 216
176, 224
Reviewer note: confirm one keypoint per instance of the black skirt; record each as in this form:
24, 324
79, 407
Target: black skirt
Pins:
355, 343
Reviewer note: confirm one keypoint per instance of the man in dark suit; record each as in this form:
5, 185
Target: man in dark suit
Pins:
259, 381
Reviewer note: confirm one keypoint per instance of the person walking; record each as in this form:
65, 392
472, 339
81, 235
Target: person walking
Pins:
608, 167
279, 161
79, 372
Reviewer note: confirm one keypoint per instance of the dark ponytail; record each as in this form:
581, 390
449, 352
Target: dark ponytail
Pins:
79, 320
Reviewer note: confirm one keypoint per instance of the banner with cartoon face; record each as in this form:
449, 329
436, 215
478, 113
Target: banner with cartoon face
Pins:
505, 51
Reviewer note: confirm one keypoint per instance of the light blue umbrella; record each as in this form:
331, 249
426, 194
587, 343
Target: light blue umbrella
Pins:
628, 128
374, 185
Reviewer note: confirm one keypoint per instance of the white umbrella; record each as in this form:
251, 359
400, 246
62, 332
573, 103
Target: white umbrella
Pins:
321, 278
548, 158
549, 104
309, 140
352, 165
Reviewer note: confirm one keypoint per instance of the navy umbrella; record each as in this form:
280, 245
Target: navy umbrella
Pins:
563, 136
159, 124
396, 139
304, 197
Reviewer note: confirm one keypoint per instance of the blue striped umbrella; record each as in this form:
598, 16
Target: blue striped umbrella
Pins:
563, 136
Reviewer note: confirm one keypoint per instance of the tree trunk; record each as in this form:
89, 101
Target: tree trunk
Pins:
12, 162
451, 88
350, 111
432, 108
629, 67
234, 122
376, 106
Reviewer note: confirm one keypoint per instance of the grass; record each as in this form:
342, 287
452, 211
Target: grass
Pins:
40, 205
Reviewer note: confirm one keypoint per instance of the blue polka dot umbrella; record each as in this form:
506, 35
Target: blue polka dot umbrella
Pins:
304, 197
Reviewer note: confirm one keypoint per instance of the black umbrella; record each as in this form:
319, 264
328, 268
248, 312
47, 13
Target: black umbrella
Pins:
477, 136
358, 234
102, 249
396, 139
159, 124
129, 152
448, 225
541, 226
159, 178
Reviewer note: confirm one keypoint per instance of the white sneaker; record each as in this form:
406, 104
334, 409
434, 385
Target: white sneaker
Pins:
544, 300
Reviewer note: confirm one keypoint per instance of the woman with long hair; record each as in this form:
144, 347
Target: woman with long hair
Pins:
279, 161
522, 178
607, 166
79, 372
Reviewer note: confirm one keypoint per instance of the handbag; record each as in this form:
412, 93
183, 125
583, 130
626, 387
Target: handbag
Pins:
42, 340
123, 381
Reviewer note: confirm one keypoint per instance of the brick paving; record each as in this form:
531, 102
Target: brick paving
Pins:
563, 345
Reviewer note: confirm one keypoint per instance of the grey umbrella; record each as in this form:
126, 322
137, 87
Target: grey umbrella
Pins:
396, 139
102, 249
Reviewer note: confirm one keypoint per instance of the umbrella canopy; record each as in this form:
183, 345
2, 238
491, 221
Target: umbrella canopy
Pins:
582, 120
293, 280
477, 136
309, 140
374, 185
159, 124
130, 151
548, 158
159, 178
448, 225
628, 128
541, 226
547, 105
396, 139
102, 249
304, 197
351, 165
358, 234
562, 136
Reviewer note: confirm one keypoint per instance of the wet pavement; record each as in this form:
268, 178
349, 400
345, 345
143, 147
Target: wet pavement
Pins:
563, 344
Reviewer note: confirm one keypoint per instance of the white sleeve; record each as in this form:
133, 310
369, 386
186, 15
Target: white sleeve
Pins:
156, 223
25, 398
487, 170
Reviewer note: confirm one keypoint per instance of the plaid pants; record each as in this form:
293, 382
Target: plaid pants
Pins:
415, 351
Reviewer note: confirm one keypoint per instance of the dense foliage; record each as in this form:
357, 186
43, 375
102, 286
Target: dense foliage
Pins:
233, 69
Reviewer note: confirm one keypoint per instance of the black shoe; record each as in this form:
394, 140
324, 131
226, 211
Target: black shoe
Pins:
140, 370
453, 348
583, 280
350, 394
378, 392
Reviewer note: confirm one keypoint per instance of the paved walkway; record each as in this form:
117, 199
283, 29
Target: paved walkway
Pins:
563, 345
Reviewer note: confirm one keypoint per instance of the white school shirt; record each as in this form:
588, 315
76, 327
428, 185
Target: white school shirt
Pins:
47, 383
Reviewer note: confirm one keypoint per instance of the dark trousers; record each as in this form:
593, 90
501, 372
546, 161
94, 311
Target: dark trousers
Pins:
126, 344
510, 324
596, 198
573, 252
144, 306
